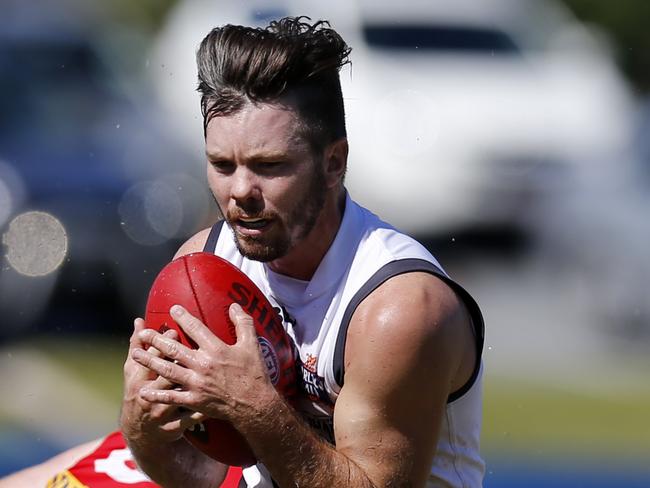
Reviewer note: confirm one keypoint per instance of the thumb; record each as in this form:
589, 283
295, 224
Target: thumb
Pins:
244, 325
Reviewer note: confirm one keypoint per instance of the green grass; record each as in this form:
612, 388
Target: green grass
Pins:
95, 362
545, 421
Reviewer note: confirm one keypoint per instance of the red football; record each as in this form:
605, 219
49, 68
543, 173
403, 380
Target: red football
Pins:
206, 285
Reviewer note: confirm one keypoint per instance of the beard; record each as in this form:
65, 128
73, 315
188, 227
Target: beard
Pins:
290, 229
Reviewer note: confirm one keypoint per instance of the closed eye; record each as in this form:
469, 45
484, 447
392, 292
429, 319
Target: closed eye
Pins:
271, 167
270, 164
223, 166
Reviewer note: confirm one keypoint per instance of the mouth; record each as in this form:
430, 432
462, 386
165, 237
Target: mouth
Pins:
251, 224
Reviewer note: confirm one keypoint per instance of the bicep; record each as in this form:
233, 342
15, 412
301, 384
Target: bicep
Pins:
402, 353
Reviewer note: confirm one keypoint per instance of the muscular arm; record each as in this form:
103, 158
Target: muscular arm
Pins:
409, 346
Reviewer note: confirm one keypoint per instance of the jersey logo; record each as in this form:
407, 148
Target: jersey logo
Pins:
270, 359
311, 364
313, 384
309, 381
120, 467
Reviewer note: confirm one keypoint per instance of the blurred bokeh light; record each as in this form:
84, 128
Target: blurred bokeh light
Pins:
36, 243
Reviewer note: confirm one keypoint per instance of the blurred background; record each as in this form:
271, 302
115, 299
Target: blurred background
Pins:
511, 136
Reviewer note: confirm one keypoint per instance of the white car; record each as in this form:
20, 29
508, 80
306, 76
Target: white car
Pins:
461, 114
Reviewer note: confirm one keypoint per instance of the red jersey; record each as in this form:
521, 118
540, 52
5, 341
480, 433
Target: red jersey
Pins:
111, 465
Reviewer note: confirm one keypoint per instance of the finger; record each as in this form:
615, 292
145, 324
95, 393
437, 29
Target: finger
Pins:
162, 367
161, 413
244, 325
133, 372
190, 419
198, 417
171, 334
187, 421
177, 398
151, 350
138, 326
161, 383
194, 328
171, 413
168, 347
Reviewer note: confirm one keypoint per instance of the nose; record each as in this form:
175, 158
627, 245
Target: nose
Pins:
245, 189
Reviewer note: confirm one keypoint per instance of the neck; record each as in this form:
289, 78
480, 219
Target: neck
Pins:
303, 260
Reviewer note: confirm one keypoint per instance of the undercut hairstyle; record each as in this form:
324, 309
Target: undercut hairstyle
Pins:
291, 61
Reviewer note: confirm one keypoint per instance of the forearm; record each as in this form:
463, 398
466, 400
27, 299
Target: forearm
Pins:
177, 464
295, 455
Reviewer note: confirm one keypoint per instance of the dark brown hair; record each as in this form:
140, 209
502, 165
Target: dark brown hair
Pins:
290, 60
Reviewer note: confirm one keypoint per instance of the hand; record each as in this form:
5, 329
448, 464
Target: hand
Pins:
218, 380
143, 421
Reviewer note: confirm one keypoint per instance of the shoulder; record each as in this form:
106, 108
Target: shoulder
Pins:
414, 322
422, 304
409, 346
194, 243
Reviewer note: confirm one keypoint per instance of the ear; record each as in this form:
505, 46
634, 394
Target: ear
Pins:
336, 162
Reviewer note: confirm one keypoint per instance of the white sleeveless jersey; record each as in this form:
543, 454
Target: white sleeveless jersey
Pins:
365, 253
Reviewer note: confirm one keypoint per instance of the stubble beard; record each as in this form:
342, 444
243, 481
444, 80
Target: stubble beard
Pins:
289, 231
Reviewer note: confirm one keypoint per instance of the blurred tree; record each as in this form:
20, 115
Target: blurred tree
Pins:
626, 22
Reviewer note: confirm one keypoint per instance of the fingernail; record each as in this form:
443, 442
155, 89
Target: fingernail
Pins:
137, 354
176, 310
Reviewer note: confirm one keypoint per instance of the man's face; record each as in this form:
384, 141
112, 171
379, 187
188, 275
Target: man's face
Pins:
265, 179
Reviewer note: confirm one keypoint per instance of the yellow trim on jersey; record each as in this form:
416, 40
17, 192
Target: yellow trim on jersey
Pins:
65, 480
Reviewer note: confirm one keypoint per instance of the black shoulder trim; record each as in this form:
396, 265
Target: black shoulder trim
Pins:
213, 237
399, 267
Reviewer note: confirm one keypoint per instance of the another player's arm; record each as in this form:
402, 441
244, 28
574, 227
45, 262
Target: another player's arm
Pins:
409, 346
39, 474
175, 463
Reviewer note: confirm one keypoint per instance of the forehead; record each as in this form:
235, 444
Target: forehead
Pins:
256, 128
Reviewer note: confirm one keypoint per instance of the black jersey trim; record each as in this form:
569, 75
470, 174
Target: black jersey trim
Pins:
399, 267
213, 237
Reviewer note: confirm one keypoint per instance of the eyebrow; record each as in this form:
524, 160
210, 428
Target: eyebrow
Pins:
258, 157
212, 155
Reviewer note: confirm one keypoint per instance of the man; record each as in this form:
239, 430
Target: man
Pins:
389, 347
